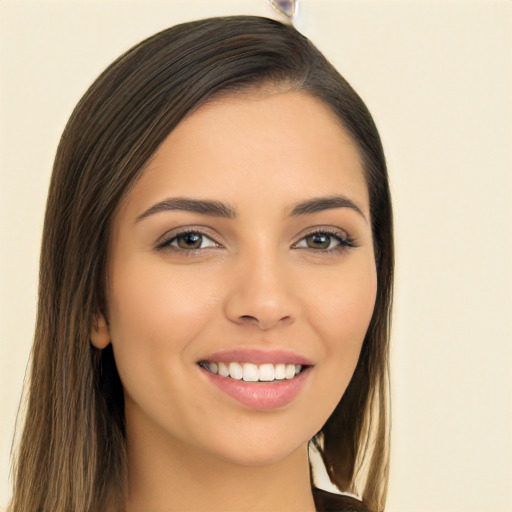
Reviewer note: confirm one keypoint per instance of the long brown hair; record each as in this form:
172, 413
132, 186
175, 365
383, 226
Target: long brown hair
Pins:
72, 450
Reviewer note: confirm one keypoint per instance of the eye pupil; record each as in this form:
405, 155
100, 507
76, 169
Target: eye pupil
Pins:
190, 241
318, 241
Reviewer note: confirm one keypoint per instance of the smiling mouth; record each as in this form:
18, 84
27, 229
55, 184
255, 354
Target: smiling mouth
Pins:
250, 372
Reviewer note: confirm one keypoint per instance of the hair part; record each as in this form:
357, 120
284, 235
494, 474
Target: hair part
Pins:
72, 454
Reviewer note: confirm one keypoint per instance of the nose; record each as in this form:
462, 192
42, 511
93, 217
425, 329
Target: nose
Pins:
261, 293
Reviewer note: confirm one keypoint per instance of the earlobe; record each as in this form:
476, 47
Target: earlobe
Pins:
100, 335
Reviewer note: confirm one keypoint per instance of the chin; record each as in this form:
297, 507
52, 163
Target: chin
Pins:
260, 449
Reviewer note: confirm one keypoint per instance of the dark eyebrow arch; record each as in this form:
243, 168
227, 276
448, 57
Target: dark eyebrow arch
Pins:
320, 204
202, 206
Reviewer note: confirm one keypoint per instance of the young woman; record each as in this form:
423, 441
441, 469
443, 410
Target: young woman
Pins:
215, 285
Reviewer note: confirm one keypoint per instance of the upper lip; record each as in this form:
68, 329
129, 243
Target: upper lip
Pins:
258, 356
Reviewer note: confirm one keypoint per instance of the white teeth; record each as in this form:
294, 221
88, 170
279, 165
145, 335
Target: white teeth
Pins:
223, 370
290, 371
280, 371
250, 372
266, 372
235, 371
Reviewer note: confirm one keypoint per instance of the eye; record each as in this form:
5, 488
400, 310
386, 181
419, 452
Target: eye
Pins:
324, 241
188, 241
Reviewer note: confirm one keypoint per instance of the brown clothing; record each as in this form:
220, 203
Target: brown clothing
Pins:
329, 502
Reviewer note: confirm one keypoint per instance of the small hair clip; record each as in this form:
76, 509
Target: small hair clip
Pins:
286, 8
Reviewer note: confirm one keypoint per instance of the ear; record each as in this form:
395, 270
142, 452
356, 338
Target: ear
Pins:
100, 335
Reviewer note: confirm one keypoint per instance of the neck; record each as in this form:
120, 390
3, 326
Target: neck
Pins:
176, 477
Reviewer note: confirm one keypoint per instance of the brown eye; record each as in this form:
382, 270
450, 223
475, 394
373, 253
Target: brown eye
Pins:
189, 241
319, 241
325, 241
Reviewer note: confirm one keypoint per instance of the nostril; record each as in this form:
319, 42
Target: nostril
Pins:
249, 318
263, 323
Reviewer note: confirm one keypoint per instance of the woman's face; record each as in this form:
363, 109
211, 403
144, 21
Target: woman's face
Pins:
246, 247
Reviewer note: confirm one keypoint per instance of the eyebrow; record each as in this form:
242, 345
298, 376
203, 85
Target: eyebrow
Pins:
223, 210
320, 204
202, 206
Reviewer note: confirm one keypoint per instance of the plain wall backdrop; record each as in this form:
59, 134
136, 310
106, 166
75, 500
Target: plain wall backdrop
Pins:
436, 76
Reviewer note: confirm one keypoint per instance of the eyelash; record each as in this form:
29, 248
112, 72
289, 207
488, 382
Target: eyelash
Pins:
166, 243
345, 242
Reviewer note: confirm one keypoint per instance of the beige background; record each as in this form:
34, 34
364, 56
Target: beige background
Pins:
437, 77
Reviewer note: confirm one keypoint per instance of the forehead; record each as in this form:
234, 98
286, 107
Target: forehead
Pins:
256, 145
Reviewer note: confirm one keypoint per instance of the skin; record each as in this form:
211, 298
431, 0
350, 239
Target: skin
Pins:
255, 283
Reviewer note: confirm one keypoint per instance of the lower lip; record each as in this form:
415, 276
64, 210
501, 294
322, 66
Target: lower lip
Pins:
260, 395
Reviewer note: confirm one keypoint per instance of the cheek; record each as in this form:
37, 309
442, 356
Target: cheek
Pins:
339, 313
156, 313
345, 305
342, 316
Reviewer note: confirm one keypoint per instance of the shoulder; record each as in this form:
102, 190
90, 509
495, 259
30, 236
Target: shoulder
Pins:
330, 502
